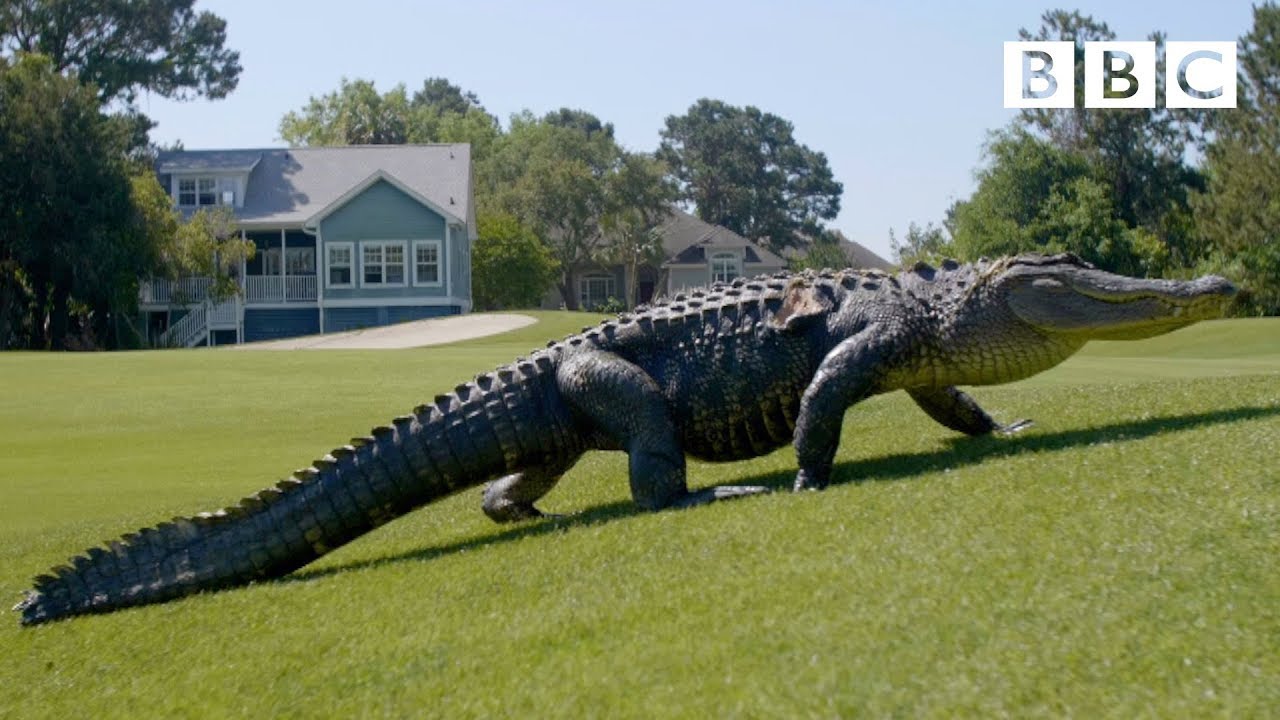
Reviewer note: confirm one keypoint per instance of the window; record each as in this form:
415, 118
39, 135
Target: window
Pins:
339, 264
594, 290
426, 262
725, 267
382, 263
197, 192
298, 261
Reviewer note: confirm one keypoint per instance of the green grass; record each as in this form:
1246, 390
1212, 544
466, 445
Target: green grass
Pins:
1120, 558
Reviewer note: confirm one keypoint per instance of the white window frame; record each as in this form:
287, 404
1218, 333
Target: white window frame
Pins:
734, 265
197, 181
439, 246
383, 245
584, 282
350, 264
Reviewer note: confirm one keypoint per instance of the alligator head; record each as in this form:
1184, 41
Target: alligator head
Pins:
1064, 295
1027, 313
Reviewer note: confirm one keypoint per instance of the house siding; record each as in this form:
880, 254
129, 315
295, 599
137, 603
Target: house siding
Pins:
684, 278
342, 319
276, 323
384, 212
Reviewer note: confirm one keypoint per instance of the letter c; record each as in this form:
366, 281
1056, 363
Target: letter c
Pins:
1182, 74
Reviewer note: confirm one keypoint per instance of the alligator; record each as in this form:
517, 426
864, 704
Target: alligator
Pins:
730, 372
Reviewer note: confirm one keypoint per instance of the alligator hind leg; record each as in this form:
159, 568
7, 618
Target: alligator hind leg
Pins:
956, 410
622, 403
511, 497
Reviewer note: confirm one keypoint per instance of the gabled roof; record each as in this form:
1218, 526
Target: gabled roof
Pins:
689, 240
297, 185
856, 255
860, 256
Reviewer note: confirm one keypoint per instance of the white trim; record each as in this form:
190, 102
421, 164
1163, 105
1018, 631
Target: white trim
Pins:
440, 263
447, 255
351, 249
319, 285
369, 182
384, 244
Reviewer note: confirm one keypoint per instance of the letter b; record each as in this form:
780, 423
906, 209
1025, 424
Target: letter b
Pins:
1039, 75
1120, 74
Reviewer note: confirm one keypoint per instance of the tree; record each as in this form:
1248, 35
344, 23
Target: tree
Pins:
1035, 196
743, 169
553, 178
921, 244
638, 199
123, 48
443, 97
357, 114
1136, 154
1111, 185
1239, 213
510, 266
68, 232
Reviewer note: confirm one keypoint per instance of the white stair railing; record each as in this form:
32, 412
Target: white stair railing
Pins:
188, 331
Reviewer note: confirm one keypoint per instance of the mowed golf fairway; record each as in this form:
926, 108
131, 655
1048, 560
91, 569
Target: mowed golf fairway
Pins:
1121, 558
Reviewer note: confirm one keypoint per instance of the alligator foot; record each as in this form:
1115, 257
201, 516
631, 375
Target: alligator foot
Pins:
809, 480
720, 492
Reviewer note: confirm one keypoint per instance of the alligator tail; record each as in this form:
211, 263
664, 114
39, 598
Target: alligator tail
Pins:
478, 432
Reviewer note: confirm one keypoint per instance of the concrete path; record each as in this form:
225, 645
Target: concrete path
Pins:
418, 333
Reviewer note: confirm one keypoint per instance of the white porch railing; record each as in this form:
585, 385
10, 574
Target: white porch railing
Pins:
158, 291
277, 289
260, 289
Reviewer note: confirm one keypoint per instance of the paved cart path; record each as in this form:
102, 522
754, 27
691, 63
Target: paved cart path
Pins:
419, 333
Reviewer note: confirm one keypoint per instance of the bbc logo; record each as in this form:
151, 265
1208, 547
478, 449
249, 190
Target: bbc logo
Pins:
1119, 74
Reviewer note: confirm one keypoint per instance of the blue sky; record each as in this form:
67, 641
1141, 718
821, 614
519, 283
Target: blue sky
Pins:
899, 96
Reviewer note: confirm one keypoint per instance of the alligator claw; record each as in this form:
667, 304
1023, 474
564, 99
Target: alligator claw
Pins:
720, 492
1014, 427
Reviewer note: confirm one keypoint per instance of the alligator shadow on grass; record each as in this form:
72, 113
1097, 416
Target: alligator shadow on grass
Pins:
962, 451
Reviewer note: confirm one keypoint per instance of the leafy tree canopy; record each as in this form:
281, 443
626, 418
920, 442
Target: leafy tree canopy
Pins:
1239, 214
68, 232
357, 114
510, 266
743, 169
124, 48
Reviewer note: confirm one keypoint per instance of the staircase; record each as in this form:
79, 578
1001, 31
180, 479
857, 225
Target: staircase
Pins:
190, 331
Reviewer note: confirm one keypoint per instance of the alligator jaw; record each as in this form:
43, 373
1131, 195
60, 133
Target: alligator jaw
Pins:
1098, 305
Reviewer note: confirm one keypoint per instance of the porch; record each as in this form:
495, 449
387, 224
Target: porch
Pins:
254, 290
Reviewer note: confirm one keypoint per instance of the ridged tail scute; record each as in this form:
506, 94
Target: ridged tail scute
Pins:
463, 439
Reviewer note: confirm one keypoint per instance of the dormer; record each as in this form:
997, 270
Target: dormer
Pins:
207, 178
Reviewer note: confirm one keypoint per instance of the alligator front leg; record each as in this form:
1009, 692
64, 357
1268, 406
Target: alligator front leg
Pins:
848, 374
956, 410
622, 403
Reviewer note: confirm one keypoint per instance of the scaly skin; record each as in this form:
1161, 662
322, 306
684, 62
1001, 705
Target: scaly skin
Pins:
728, 373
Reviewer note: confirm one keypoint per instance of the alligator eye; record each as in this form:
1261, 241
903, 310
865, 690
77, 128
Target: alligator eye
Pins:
1047, 284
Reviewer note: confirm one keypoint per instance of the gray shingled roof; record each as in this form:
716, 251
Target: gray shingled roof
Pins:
856, 254
290, 186
208, 160
686, 240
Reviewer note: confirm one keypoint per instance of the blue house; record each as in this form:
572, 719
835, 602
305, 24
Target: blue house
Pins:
346, 238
